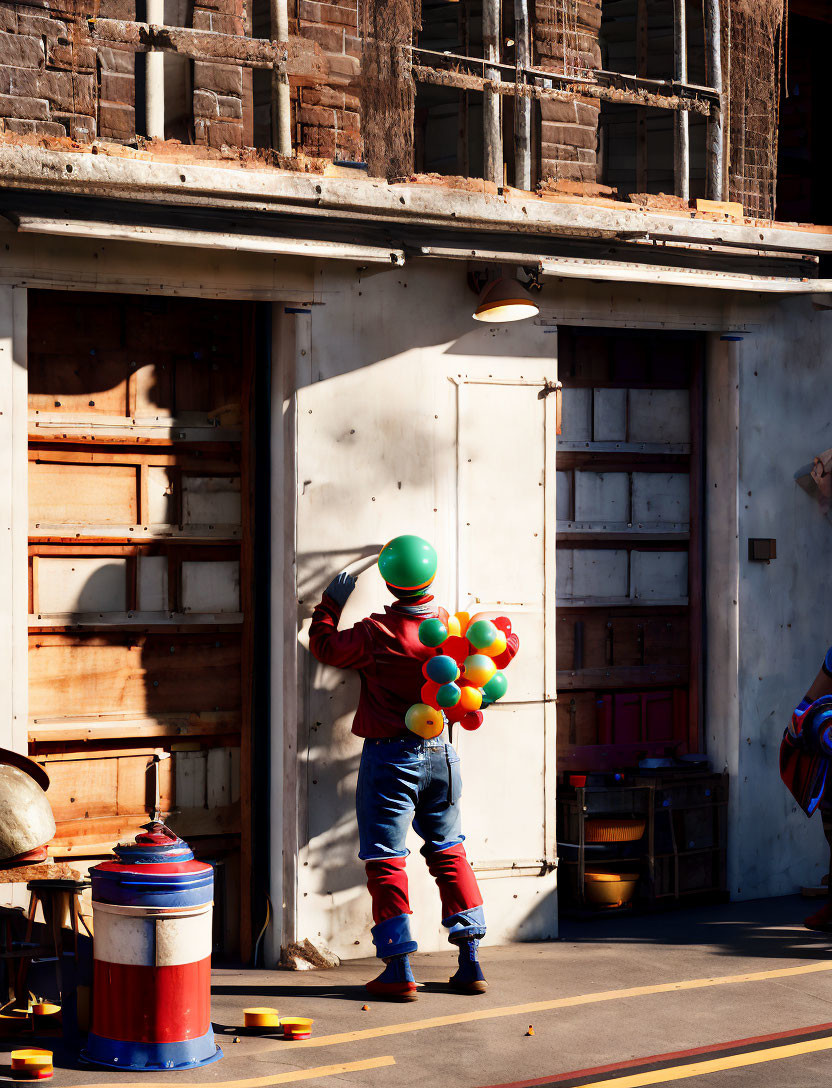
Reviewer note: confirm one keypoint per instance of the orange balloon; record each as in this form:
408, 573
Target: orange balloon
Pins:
497, 647
454, 626
425, 721
478, 669
471, 697
464, 619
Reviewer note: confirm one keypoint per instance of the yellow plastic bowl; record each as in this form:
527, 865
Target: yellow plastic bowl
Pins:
296, 1027
45, 1008
261, 1018
31, 1064
600, 830
610, 889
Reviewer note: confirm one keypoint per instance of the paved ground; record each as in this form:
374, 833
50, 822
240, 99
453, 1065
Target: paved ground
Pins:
616, 993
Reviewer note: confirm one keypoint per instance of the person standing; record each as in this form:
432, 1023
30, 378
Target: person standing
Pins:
402, 777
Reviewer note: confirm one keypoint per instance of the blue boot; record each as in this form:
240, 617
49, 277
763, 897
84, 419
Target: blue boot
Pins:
396, 981
469, 978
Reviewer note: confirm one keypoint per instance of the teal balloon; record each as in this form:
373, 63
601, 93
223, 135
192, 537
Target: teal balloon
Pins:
496, 687
432, 632
442, 669
448, 695
481, 633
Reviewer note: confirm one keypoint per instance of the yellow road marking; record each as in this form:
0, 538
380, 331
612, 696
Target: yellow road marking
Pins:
715, 1065
546, 1006
271, 1078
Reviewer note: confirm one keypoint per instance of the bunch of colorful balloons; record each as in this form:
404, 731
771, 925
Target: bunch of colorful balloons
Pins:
465, 675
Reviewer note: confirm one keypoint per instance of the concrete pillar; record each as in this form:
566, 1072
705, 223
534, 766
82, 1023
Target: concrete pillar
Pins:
14, 515
722, 575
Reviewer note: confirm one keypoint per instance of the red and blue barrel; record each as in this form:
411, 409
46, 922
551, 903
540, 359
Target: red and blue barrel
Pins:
152, 907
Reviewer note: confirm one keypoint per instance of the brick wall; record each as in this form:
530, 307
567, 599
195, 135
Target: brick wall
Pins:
327, 116
47, 83
569, 130
220, 89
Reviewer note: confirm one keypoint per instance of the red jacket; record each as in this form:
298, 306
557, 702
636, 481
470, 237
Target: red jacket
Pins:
386, 652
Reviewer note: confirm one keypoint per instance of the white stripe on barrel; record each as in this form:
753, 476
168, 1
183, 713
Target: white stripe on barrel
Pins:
156, 940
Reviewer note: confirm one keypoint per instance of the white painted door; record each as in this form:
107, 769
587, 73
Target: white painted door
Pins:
438, 428
506, 504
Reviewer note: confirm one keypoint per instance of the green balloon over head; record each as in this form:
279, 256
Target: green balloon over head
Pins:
408, 562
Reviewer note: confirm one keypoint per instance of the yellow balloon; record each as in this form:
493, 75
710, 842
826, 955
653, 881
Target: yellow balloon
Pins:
478, 669
425, 721
497, 647
471, 698
464, 619
454, 626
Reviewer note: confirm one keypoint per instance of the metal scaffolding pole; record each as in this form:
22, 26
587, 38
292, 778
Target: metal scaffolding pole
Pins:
681, 148
492, 127
716, 136
522, 104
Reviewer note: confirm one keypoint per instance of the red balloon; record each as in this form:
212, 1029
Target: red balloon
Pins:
457, 647
504, 659
503, 623
429, 691
472, 720
454, 714
443, 615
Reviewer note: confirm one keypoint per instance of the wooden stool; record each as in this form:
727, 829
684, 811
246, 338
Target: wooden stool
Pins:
58, 899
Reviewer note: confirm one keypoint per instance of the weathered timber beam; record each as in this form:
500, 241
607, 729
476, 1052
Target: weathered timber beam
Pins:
600, 76
299, 59
465, 81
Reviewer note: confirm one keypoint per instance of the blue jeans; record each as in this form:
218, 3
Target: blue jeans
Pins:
406, 780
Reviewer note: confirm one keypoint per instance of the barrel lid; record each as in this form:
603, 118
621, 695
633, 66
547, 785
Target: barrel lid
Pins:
154, 845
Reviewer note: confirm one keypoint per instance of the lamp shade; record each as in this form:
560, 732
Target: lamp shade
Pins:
503, 300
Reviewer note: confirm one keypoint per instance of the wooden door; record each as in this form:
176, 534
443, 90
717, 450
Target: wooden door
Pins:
140, 573
629, 564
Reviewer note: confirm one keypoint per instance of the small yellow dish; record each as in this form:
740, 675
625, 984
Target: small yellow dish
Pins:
261, 1018
31, 1064
296, 1027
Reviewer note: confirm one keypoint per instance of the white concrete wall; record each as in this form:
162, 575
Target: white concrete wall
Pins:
411, 417
773, 388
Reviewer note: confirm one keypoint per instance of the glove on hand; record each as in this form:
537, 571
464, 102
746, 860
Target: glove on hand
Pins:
340, 588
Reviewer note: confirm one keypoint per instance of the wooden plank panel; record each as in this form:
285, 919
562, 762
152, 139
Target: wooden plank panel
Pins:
210, 587
609, 415
92, 384
659, 415
82, 584
60, 730
210, 500
218, 777
82, 788
76, 677
661, 497
659, 575
577, 720
602, 497
75, 494
191, 778
576, 425
153, 583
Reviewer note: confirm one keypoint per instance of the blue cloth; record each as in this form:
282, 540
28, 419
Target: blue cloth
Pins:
392, 937
407, 780
465, 925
